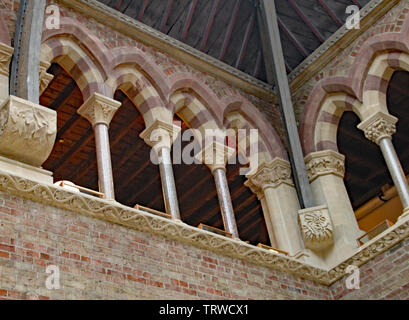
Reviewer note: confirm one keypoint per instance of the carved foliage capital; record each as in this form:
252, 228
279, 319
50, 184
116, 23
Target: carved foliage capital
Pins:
99, 109
215, 155
270, 175
160, 134
379, 126
316, 227
6, 53
325, 163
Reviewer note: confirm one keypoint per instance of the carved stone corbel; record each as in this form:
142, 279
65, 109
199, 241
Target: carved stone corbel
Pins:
27, 131
316, 228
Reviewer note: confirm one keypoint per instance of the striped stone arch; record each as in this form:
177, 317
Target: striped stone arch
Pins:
332, 109
141, 92
133, 57
70, 55
376, 83
188, 106
241, 114
188, 82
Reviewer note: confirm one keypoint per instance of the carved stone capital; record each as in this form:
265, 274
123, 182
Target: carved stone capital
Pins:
379, 126
270, 175
316, 227
99, 109
325, 163
215, 155
45, 78
160, 134
27, 131
6, 53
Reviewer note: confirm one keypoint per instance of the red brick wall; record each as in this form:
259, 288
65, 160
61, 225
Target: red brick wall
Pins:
98, 260
385, 277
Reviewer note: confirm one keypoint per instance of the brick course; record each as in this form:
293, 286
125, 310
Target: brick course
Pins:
99, 260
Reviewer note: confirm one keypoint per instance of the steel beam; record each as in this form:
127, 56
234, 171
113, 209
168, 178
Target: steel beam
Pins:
303, 187
25, 66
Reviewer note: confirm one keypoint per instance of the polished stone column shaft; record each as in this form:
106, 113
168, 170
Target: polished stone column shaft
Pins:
99, 111
160, 136
105, 177
395, 169
226, 205
168, 184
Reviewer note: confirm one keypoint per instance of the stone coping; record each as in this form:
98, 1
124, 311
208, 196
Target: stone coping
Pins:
113, 212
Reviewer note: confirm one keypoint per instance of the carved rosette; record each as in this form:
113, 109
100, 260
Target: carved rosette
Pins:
379, 126
270, 175
45, 78
28, 131
215, 155
160, 135
316, 228
99, 109
6, 53
325, 163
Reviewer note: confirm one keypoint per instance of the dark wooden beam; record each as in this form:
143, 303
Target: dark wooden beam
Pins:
356, 2
209, 25
286, 106
188, 21
297, 44
229, 31
245, 42
133, 176
307, 21
166, 15
63, 96
86, 138
331, 13
142, 11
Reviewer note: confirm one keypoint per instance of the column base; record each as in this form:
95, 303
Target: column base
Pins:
23, 170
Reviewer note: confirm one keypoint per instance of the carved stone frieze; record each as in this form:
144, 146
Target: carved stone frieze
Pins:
270, 175
113, 212
316, 227
379, 126
27, 131
99, 109
324, 163
6, 53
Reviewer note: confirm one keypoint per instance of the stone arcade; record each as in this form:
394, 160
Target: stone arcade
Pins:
327, 188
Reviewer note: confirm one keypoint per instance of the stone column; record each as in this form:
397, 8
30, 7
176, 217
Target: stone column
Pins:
379, 128
273, 181
160, 136
99, 111
326, 170
215, 155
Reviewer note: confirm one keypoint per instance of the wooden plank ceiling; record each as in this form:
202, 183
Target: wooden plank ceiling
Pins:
228, 30
137, 180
